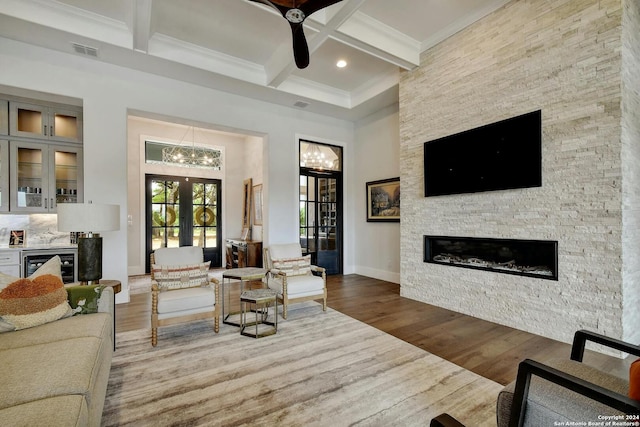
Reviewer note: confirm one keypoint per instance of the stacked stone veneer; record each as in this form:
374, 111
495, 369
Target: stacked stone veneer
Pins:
573, 60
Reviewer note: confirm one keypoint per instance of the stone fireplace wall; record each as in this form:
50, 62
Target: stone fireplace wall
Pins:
565, 58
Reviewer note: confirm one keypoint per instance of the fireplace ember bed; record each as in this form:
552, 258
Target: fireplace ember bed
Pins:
532, 258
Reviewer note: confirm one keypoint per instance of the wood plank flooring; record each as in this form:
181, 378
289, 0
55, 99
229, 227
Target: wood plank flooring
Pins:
486, 348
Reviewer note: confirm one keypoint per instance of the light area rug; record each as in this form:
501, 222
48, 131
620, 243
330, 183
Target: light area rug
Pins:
320, 369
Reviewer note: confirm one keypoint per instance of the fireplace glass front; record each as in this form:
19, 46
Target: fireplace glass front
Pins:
533, 258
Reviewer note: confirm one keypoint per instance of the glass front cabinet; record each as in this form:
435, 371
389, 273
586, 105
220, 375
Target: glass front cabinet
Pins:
44, 175
4, 175
59, 123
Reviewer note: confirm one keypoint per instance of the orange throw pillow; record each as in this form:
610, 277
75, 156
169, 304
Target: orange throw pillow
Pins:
634, 380
26, 303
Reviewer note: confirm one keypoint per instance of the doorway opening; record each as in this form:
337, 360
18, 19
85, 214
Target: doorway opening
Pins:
321, 204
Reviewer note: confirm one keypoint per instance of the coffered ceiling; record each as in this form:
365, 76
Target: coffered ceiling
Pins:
244, 47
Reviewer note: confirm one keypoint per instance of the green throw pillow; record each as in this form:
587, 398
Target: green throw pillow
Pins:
84, 299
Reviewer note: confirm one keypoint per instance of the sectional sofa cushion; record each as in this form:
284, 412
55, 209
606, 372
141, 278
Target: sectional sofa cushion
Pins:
67, 367
70, 410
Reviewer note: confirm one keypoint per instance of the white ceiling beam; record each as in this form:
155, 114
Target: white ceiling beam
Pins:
141, 24
70, 19
278, 70
377, 39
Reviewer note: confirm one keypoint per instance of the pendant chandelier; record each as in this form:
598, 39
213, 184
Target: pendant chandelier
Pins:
314, 158
191, 156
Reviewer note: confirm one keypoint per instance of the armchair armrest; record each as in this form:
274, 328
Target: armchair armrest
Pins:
581, 337
316, 269
528, 368
445, 420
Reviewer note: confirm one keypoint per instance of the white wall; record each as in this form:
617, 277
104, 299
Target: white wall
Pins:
377, 156
109, 92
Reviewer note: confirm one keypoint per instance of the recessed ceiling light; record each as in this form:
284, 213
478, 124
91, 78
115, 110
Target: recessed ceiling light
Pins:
341, 63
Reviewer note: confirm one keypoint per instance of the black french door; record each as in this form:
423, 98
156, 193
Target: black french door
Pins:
183, 211
321, 218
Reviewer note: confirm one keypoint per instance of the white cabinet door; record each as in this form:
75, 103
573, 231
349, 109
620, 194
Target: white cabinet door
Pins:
10, 262
51, 122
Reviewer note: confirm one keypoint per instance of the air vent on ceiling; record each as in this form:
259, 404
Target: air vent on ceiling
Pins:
85, 50
301, 104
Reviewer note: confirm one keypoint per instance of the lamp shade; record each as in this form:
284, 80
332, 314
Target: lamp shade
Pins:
88, 217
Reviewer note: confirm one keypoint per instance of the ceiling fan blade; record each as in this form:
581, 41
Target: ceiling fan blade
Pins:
281, 9
300, 47
313, 6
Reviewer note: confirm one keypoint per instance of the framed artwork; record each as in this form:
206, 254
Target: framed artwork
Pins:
383, 200
246, 204
257, 204
17, 238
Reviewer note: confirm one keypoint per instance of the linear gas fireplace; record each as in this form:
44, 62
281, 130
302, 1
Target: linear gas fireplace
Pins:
533, 258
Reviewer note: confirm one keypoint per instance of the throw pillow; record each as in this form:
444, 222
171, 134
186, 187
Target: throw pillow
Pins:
27, 303
634, 380
294, 266
84, 299
181, 276
52, 266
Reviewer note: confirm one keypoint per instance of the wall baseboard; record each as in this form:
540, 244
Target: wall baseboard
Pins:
389, 276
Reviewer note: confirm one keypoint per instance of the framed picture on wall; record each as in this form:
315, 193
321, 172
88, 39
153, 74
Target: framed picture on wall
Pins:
246, 204
257, 204
383, 200
17, 238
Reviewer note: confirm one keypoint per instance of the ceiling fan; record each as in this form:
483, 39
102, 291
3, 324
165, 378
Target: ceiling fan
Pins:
295, 13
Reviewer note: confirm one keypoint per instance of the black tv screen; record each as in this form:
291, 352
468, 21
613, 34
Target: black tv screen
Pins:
498, 156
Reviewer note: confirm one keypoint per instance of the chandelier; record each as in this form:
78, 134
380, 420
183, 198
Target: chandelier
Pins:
191, 156
314, 158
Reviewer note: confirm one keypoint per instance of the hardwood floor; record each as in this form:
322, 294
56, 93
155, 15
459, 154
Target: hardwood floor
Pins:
486, 348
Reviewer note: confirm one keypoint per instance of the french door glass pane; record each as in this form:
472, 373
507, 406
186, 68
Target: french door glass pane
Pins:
204, 215
165, 206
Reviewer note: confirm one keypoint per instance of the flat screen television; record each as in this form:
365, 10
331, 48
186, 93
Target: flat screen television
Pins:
498, 156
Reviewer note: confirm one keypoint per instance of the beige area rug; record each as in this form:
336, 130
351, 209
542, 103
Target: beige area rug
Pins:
320, 369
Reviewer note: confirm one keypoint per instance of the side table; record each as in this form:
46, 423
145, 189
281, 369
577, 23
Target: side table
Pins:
259, 301
243, 275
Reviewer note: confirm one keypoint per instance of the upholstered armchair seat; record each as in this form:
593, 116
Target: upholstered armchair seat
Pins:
293, 285
181, 298
187, 301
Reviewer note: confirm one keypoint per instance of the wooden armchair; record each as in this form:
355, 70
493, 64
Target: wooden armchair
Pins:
293, 277
566, 390
181, 290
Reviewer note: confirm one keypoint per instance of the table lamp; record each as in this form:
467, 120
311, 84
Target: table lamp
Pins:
88, 219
